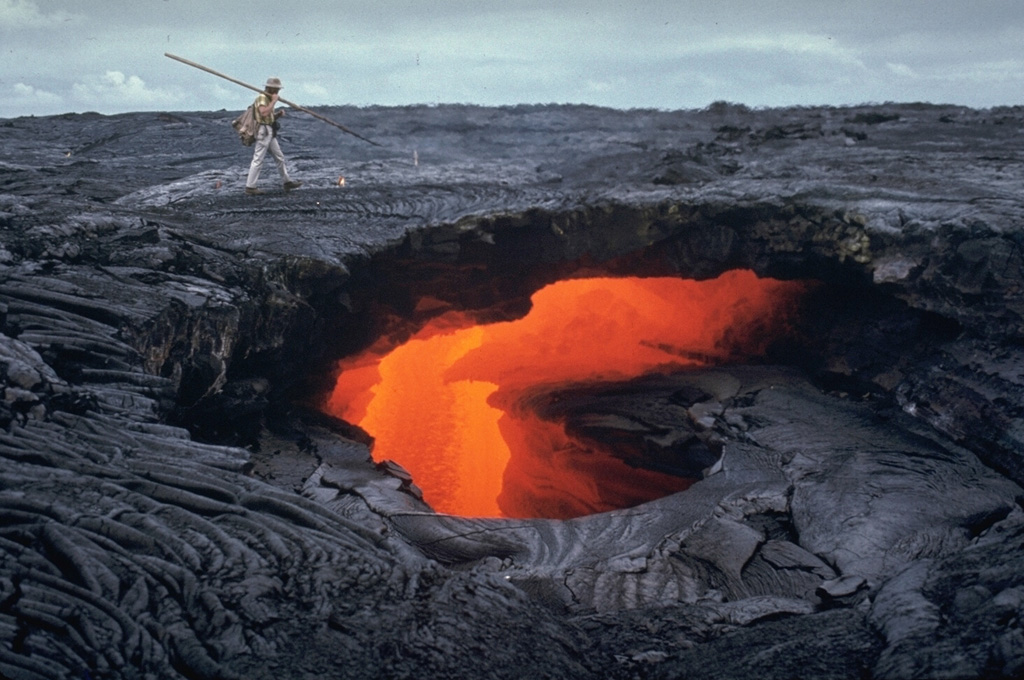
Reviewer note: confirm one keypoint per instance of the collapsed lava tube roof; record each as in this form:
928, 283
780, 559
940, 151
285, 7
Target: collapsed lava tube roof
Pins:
448, 404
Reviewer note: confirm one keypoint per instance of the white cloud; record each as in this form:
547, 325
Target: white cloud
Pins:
26, 94
314, 92
809, 45
25, 99
901, 70
15, 14
116, 91
1008, 70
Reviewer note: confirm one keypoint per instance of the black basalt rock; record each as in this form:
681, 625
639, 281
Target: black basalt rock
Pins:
170, 508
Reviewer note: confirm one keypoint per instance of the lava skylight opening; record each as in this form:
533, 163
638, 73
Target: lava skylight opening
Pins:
450, 405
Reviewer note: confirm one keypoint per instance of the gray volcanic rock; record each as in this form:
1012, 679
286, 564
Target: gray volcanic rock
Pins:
172, 504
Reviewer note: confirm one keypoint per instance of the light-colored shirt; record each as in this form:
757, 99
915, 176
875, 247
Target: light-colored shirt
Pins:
263, 100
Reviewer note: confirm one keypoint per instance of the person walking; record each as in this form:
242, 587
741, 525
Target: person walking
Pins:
266, 138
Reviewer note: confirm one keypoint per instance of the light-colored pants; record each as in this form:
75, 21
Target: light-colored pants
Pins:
265, 140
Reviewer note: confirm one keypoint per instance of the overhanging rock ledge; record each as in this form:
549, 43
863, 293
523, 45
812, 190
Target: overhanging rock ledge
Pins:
171, 508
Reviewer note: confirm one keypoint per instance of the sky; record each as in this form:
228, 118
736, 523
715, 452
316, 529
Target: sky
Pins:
59, 56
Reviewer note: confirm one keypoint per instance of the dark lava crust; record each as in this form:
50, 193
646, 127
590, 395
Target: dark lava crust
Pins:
172, 505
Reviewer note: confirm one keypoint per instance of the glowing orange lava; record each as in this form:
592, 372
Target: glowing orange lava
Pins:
426, 401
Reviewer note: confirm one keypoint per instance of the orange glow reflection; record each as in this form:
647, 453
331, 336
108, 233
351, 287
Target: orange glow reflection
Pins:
430, 403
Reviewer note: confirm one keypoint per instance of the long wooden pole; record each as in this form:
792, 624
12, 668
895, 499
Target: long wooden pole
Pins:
280, 99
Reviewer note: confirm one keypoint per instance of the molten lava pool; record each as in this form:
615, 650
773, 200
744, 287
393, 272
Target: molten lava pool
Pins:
447, 405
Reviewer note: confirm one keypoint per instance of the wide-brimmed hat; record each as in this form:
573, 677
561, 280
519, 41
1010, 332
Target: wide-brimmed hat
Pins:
274, 82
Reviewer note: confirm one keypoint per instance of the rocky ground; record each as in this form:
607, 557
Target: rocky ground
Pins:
174, 505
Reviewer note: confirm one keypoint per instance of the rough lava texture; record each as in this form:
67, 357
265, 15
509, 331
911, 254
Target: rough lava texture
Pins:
173, 505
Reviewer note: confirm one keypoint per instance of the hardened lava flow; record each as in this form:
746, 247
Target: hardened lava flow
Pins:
176, 504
